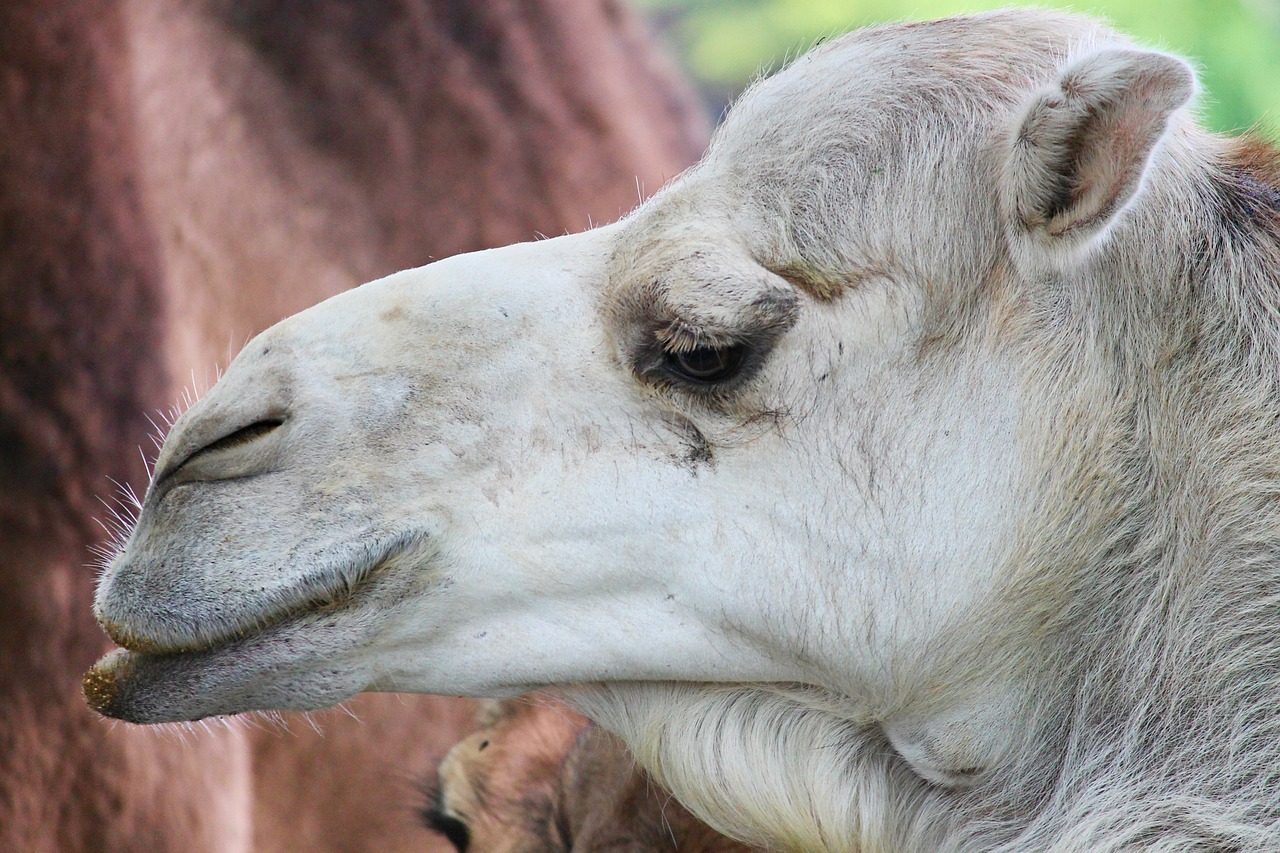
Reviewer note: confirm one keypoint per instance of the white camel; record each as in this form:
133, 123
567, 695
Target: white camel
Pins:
901, 477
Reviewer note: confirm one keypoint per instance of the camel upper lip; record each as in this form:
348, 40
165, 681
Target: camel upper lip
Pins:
320, 600
325, 589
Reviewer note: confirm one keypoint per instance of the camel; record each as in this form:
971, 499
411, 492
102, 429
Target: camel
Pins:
176, 176
897, 478
538, 777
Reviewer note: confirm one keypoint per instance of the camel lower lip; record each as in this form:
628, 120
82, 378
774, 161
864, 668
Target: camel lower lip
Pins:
238, 676
99, 683
110, 685
113, 685
109, 682
143, 688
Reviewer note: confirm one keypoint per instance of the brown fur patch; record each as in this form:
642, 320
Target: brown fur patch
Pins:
1258, 157
81, 337
823, 286
1252, 190
81, 363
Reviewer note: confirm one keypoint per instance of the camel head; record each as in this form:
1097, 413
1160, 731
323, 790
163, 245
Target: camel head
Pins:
833, 432
326, 521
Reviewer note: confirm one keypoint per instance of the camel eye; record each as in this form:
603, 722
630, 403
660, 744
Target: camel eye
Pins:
706, 365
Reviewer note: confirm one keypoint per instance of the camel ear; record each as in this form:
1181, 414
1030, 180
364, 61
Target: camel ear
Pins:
1081, 146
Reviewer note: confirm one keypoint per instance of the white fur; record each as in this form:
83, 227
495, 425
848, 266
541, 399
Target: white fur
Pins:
982, 557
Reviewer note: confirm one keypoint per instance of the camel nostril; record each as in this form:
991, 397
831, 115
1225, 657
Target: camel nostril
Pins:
244, 435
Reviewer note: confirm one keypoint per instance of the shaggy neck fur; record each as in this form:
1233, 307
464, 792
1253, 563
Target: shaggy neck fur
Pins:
1163, 638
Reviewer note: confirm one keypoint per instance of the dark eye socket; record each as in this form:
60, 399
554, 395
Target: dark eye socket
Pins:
707, 365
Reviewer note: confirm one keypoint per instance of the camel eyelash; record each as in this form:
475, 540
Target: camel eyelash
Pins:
708, 370
681, 336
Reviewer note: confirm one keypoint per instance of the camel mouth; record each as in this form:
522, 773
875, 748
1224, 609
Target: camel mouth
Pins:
328, 587
132, 682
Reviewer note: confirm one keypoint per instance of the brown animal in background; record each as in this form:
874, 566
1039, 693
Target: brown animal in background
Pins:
175, 176
539, 777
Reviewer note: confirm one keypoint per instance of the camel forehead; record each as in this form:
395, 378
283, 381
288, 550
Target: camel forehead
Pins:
865, 88
833, 116
822, 173
981, 51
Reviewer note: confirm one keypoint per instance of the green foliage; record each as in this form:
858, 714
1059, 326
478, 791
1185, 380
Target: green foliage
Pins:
1234, 43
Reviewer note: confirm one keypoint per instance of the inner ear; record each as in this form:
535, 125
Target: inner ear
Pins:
1082, 145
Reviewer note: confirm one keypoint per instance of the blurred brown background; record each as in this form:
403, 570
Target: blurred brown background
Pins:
176, 175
